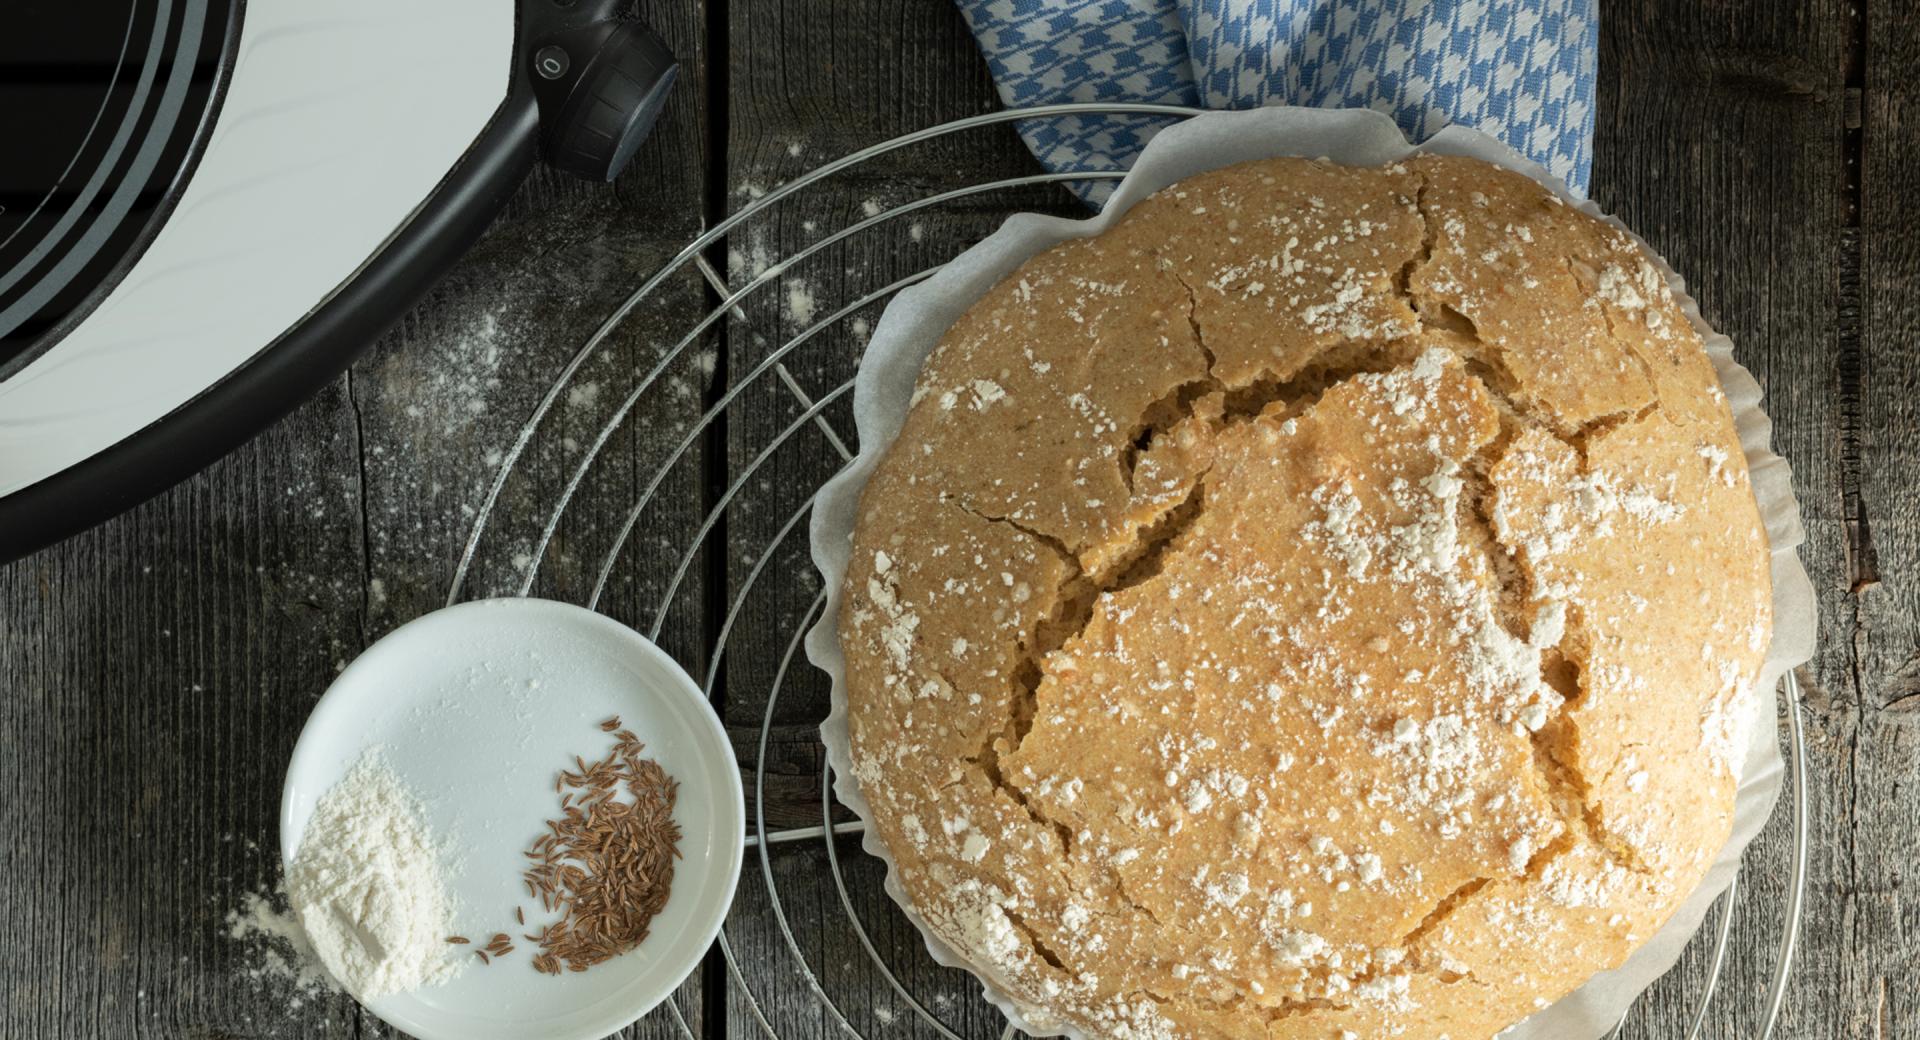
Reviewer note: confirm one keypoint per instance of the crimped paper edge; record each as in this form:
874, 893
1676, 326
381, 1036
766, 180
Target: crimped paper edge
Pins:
915, 320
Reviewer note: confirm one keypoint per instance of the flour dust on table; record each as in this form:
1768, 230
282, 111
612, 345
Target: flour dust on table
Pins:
275, 949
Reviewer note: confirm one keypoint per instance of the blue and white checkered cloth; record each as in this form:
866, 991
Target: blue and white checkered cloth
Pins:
1521, 70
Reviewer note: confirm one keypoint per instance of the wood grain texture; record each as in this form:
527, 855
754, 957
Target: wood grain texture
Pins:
155, 672
1720, 138
1877, 632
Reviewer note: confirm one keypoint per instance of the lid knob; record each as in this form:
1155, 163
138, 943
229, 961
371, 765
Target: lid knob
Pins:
601, 88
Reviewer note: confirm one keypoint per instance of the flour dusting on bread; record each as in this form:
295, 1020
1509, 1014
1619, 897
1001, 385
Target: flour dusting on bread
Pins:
1327, 603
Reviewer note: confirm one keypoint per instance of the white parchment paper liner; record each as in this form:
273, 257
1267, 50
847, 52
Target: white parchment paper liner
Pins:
915, 320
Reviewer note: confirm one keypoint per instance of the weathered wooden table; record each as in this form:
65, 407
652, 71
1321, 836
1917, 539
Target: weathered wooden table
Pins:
155, 672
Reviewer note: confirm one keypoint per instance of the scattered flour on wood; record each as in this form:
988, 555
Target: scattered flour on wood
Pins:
749, 259
275, 947
450, 380
583, 395
800, 305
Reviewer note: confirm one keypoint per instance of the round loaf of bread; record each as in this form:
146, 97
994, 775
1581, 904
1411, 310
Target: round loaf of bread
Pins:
1326, 604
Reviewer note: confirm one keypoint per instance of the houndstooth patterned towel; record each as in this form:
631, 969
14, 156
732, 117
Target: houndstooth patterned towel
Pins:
1521, 70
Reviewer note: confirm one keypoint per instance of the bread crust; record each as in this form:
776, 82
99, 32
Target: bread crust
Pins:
1325, 603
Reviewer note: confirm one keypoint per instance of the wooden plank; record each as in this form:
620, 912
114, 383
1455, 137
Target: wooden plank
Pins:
1880, 445
810, 82
155, 672
1720, 139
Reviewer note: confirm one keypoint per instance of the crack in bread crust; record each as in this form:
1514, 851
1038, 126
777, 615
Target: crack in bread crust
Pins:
1442, 910
1066, 608
1332, 367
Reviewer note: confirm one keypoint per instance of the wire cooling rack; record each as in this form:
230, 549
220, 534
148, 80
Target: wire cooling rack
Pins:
617, 534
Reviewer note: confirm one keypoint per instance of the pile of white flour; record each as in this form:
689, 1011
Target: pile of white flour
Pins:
369, 888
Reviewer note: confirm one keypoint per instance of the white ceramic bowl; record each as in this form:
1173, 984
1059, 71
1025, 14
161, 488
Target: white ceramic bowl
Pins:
476, 707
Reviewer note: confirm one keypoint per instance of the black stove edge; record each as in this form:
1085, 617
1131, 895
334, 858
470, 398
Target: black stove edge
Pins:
307, 356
